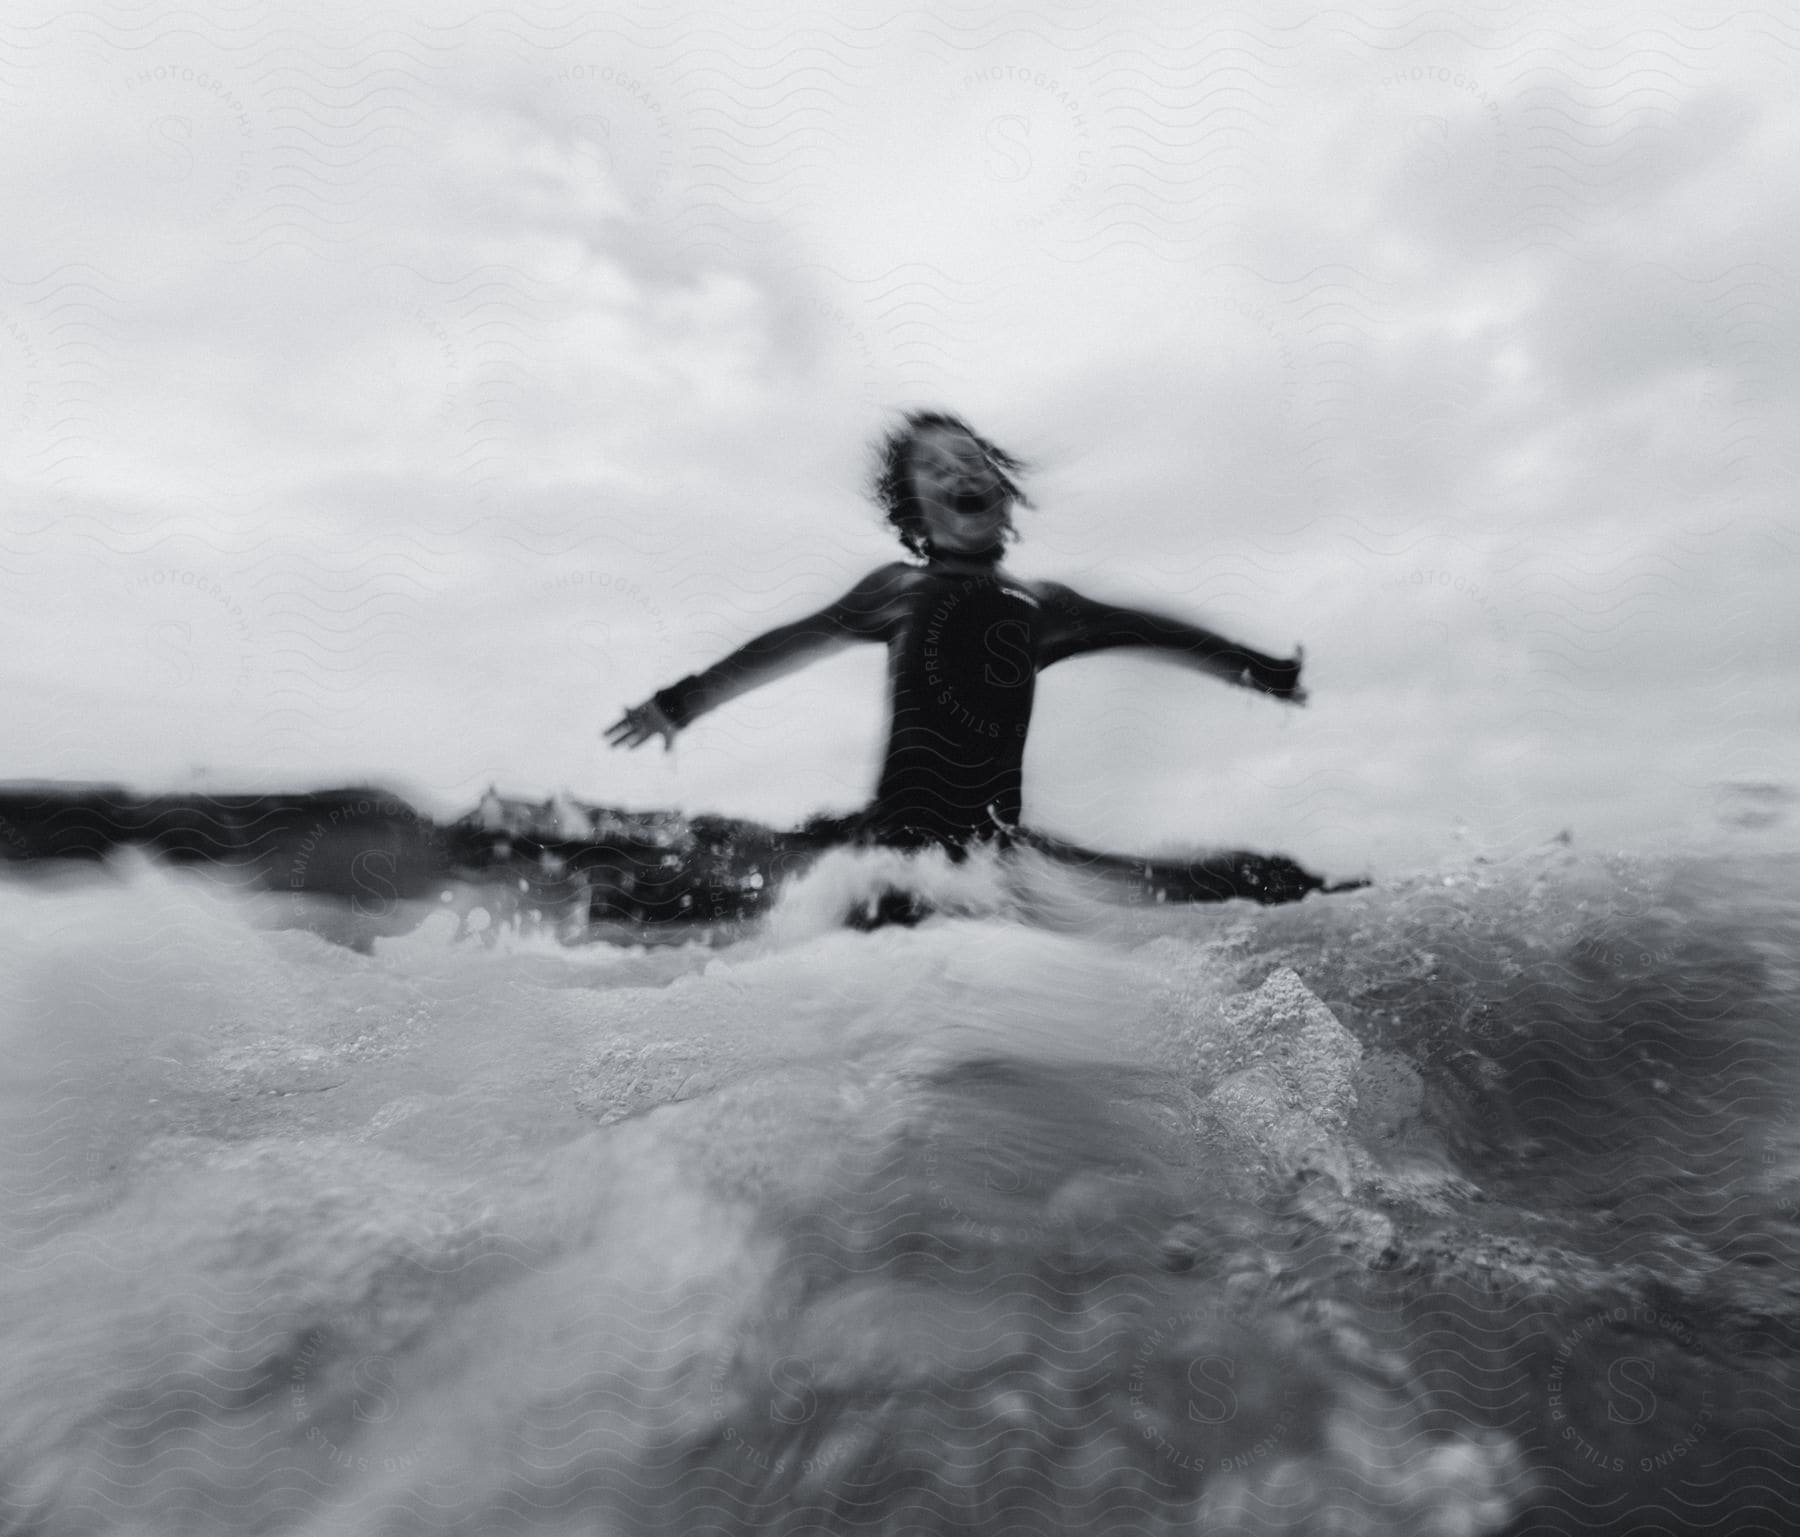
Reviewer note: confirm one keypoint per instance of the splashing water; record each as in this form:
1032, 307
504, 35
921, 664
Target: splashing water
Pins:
1459, 1206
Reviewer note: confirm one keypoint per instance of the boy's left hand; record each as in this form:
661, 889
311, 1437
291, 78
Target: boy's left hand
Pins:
1297, 695
1279, 679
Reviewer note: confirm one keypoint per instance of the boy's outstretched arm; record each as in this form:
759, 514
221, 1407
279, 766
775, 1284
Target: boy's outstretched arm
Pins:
1076, 624
864, 613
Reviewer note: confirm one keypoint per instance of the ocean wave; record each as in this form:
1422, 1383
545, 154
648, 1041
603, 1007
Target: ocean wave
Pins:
1461, 1204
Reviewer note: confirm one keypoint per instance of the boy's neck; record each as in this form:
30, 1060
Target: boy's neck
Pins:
978, 563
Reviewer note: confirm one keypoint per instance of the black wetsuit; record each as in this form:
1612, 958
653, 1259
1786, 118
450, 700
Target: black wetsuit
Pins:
964, 650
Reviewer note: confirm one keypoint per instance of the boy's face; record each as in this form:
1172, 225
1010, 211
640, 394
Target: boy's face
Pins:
962, 499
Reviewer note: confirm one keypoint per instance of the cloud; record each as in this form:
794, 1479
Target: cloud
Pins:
499, 372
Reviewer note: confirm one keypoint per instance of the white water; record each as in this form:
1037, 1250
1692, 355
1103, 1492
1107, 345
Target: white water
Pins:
919, 1229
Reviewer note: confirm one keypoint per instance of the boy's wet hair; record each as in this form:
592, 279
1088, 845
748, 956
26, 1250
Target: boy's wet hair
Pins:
891, 482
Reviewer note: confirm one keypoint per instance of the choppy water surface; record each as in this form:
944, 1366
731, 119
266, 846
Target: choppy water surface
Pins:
1462, 1205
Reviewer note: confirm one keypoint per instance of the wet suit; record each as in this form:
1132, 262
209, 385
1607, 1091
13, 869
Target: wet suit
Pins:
964, 650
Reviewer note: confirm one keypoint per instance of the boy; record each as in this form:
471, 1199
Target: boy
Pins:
965, 642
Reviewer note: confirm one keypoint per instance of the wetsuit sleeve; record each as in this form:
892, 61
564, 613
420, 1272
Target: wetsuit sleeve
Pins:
866, 612
1075, 625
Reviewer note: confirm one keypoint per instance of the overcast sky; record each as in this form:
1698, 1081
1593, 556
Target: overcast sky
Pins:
398, 392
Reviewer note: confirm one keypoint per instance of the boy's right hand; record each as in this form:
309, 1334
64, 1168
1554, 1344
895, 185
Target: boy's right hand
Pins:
638, 724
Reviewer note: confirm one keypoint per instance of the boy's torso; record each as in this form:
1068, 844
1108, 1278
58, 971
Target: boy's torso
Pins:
962, 674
